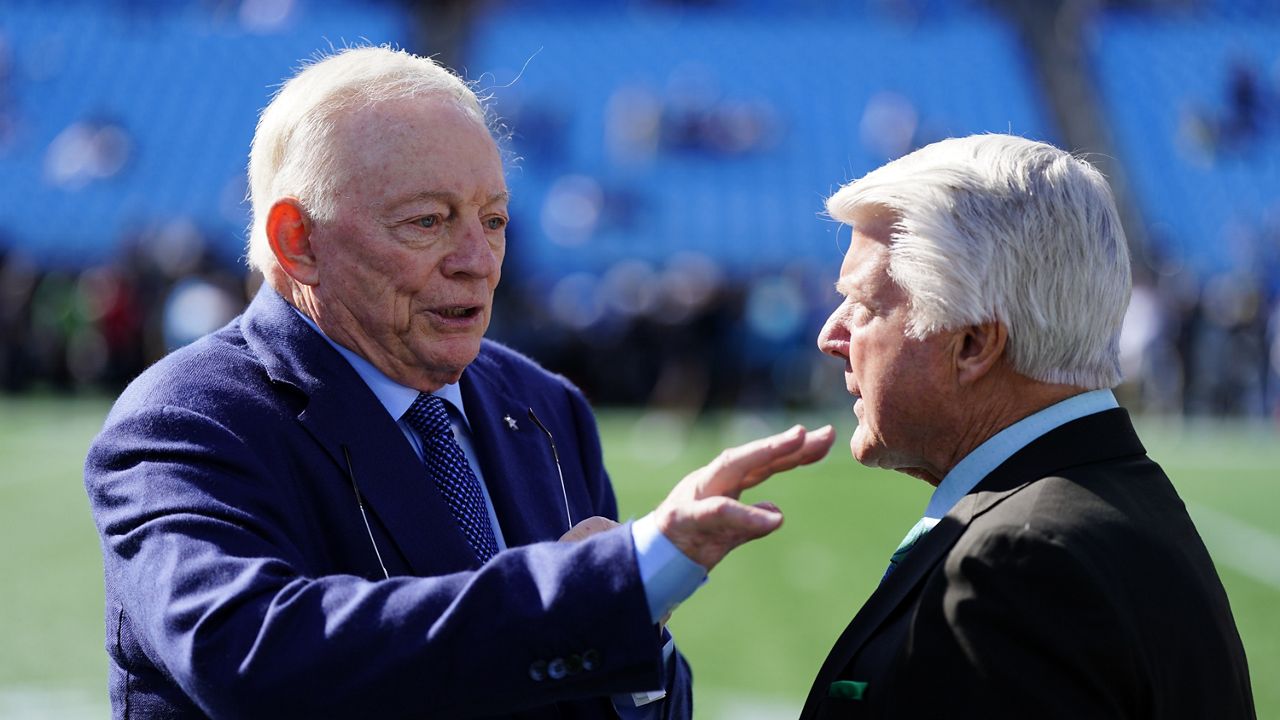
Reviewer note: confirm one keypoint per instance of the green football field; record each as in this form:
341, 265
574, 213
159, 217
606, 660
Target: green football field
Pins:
755, 633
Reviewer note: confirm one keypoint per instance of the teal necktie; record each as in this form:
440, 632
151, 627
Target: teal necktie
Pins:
919, 530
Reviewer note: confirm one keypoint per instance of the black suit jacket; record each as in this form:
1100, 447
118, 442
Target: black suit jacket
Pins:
242, 580
1070, 583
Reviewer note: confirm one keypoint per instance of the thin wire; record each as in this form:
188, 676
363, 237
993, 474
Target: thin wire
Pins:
360, 502
555, 456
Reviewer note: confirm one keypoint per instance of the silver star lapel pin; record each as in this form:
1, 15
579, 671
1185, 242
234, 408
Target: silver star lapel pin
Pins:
511, 422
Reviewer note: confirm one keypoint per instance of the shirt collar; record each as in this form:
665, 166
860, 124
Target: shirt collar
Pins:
396, 398
1001, 446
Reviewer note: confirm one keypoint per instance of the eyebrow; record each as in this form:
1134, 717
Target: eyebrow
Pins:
846, 286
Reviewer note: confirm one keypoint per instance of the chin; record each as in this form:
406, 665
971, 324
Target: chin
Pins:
862, 451
873, 455
451, 352
444, 370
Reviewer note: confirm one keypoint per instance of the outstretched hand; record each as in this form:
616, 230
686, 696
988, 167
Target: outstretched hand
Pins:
702, 515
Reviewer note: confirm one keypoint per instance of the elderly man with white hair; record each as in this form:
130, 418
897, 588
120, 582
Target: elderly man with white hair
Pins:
346, 502
1055, 572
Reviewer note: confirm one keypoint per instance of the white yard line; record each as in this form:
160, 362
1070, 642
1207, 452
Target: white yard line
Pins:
1232, 542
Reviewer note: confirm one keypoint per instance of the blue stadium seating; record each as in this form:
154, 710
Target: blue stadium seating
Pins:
185, 81
754, 211
1164, 85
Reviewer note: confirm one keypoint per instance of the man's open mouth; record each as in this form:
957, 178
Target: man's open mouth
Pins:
459, 311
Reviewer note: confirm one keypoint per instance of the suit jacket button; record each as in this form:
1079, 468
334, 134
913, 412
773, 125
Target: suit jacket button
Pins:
538, 670
556, 669
574, 663
590, 660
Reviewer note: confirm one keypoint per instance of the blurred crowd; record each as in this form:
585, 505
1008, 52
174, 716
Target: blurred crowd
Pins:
1203, 349
683, 336
1247, 114
96, 328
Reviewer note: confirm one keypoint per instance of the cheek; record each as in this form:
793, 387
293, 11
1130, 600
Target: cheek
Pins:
499, 254
406, 281
883, 386
874, 363
348, 289
373, 297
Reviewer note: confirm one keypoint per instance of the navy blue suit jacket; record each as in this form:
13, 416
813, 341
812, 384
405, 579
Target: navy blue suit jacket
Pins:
241, 579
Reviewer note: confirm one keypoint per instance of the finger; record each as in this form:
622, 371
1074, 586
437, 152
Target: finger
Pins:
814, 446
748, 522
730, 470
817, 444
707, 530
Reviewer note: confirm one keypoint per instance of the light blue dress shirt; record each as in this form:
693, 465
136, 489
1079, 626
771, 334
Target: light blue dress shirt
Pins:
1000, 447
667, 574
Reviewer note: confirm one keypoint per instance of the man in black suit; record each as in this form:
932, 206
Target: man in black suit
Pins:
1055, 572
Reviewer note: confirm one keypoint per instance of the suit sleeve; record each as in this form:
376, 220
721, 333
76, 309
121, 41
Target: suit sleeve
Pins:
1016, 626
203, 558
677, 676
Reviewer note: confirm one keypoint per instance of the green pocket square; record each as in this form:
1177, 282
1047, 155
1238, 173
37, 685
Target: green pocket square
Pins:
847, 689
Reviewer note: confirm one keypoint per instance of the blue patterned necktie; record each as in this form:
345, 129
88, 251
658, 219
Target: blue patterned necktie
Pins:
919, 530
448, 467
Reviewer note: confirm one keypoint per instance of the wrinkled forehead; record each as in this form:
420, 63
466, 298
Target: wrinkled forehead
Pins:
391, 125
866, 275
865, 268
415, 144
871, 231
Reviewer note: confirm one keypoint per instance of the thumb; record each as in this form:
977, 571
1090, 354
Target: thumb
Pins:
750, 521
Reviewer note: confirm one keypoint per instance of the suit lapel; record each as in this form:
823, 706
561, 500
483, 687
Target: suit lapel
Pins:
1102, 436
519, 469
341, 412
392, 480
888, 596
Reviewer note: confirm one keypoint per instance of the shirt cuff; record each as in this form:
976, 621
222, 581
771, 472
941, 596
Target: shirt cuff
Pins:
668, 575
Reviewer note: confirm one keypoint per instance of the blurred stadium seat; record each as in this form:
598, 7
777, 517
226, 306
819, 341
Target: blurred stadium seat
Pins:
1203, 159
641, 134
120, 116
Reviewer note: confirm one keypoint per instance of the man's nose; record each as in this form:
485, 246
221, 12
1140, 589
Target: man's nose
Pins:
833, 339
473, 255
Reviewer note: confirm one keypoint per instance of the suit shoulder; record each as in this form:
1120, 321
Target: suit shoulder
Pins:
216, 373
1091, 495
1113, 516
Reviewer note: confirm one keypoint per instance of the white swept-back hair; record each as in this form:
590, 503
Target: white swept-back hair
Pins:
293, 151
997, 227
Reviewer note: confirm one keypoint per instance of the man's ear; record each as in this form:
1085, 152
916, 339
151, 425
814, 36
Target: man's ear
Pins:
979, 349
289, 234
